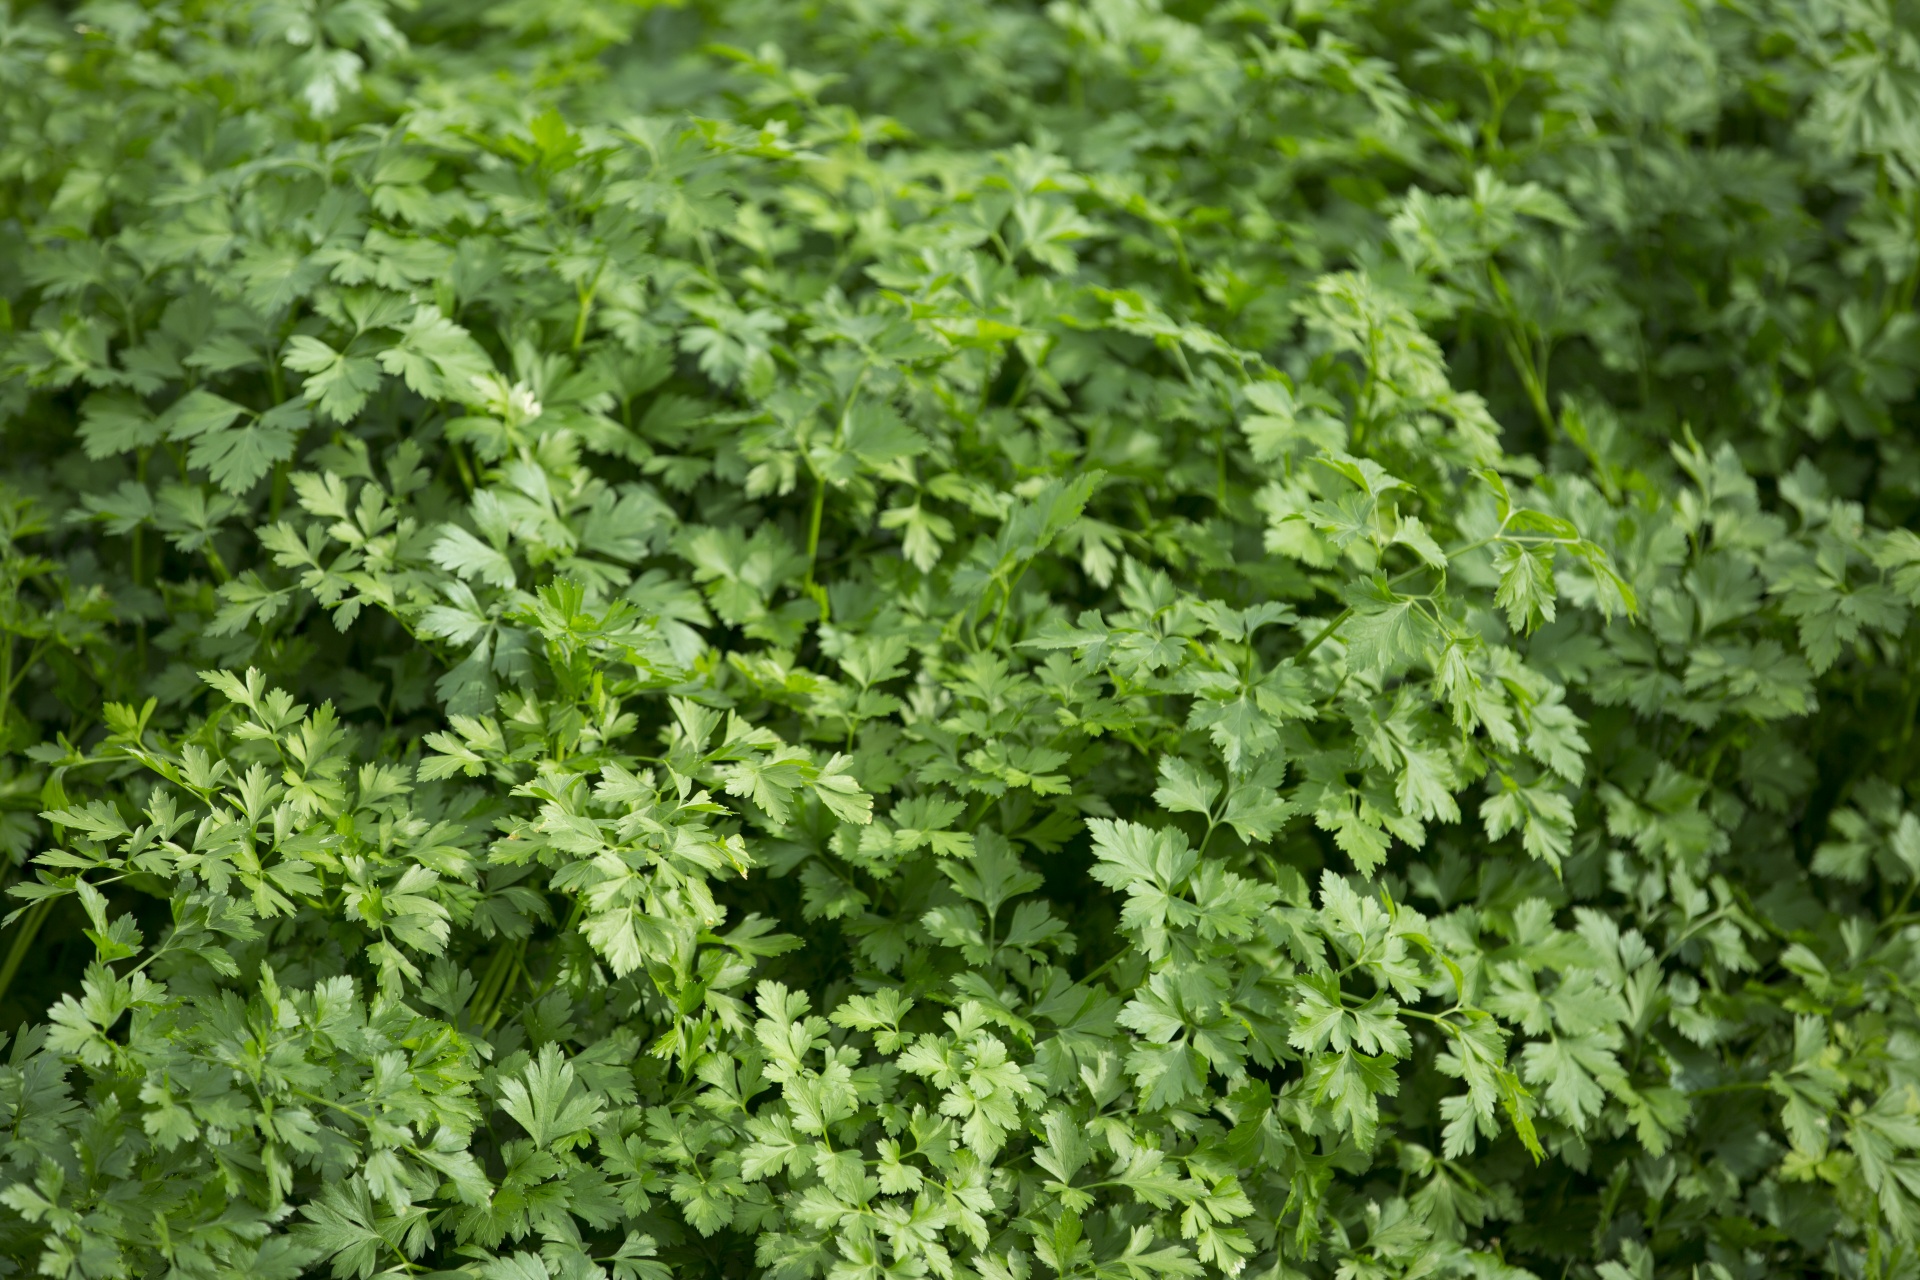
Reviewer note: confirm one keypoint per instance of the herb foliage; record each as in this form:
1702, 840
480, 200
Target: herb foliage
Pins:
1123, 639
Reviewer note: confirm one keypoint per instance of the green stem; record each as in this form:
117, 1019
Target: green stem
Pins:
1529, 378
809, 584
1513, 329
1325, 634
1687, 935
1105, 965
972, 821
553, 973
814, 590
490, 981
1363, 406
1439, 1019
586, 294
1180, 255
23, 941
813, 524
1006, 603
1220, 483
1490, 128
460, 463
515, 970
1898, 915
10, 678
216, 563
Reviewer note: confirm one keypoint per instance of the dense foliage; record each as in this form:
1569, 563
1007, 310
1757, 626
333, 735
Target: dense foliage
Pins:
891, 638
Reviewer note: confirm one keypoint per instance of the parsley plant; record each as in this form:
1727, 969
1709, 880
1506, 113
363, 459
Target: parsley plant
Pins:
980, 639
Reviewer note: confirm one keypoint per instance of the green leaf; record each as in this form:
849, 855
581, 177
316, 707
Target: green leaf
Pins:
1386, 630
1184, 788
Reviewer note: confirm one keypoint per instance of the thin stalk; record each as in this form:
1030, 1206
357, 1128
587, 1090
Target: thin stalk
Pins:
1220, 482
23, 941
553, 972
1180, 255
1105, 965
1513, 335
490, 983
1898, 914
808, 584
1007, 587
813, 524
1326, 633
460, 463
580, 321
814, 590
216, 563
1369, 390
10, 678
1529, 379
586, 294
515, 971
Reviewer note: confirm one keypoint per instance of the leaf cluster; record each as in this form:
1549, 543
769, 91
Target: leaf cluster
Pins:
871, 639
